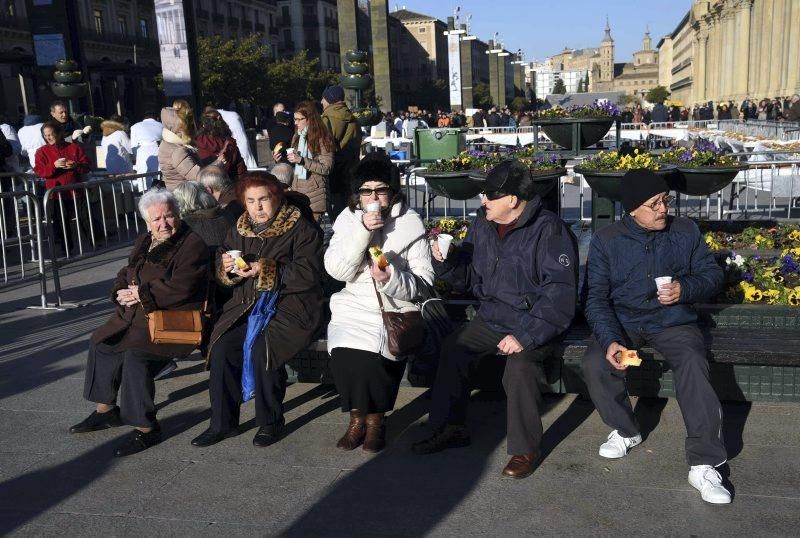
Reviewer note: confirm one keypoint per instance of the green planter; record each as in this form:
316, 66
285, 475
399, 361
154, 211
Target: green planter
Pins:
454, 185
69, 91
355, 56
67, 77
749, 316
560, 130
606, 183
356, 68
367, 117
66, 65
703, 181
355, 82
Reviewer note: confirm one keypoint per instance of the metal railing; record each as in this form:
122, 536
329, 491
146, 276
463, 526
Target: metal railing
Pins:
101, 212
24, 246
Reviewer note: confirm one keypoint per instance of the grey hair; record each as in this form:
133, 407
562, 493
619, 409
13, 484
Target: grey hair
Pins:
192, 196
154, 197
284, 172
215, 178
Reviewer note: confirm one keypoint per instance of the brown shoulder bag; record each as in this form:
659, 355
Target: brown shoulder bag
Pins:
405, 331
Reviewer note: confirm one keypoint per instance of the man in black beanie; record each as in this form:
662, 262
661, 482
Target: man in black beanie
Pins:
521, 262
628, 305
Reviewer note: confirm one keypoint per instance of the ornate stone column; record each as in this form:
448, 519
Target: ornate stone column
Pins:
743, 49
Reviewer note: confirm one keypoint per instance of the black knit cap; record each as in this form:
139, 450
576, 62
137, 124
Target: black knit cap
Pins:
640, 185
510, 177
376, 167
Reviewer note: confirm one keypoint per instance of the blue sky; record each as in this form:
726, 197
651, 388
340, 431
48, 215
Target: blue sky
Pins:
543, 28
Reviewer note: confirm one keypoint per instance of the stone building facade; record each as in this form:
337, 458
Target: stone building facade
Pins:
641, 75
310, 25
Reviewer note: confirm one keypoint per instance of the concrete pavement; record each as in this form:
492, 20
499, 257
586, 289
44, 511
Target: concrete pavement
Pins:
54, 483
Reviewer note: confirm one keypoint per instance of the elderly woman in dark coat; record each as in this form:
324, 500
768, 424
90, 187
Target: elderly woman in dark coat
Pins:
284, 252
167, 270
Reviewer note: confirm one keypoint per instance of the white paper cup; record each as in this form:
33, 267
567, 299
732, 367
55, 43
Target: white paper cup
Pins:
373, 207
289, 151
444, 241
234, 254
661, 280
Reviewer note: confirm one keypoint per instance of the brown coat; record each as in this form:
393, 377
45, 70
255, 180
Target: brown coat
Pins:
290, 246
172, 276
315, 186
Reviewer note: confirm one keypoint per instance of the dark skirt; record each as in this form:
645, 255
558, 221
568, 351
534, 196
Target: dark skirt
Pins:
366, 381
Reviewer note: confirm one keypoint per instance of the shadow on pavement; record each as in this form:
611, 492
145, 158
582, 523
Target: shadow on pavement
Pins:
25, 497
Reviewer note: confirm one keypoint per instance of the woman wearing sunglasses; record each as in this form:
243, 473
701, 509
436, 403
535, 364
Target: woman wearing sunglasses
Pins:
366, 374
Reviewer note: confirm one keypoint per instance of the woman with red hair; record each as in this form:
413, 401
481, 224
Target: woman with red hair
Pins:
312, 157
283, 253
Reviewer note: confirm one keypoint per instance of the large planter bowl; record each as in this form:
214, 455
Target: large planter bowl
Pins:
355, 56
454, 185
69, 91
356, 68
66, 65
559, 130
544, 181
67, 77
703, 181
606, 183
367, 117
355, 82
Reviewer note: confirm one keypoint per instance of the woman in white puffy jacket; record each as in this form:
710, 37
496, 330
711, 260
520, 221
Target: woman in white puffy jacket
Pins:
367, 376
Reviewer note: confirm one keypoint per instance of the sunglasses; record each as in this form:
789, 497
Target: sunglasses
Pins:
380, 191
493, 195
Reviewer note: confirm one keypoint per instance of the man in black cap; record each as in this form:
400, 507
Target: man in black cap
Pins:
346, 131
520, 261
628, 305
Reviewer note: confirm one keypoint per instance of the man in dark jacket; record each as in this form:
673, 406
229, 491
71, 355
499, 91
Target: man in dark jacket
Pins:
520, 261
626, 309
660, 113
346, 131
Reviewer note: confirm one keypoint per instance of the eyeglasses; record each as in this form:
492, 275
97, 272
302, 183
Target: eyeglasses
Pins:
665, 201
296, 119
493, 195
380, 191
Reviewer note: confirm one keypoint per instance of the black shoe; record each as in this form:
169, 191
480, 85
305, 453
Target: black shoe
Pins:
210, 437
98, 421
268, 435
166, 370
138, 441
450, 436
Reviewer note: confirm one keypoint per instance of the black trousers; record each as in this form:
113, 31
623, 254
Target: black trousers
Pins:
684, 350
523, 378
130, 372
225, 382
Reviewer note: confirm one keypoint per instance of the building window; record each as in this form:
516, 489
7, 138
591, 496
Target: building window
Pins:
98, 21
122, 25
143, 31
422, 30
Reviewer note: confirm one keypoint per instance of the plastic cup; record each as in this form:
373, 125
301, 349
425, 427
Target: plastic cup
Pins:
444, 241
373, 207
289, 151
234, 254
661, 280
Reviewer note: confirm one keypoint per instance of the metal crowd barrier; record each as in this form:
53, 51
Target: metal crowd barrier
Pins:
104, 212
24, 245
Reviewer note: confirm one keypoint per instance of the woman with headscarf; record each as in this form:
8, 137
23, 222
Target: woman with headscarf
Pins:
213, 139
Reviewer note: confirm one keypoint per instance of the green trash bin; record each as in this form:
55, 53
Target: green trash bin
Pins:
435, 144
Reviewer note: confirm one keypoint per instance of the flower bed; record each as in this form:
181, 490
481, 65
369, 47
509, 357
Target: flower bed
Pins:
780, 237
772, 280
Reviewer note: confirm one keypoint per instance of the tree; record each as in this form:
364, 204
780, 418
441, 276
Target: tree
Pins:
520, 104
232, 70
658, 94
559, 87
481, 97
583, 85
296, 79
431, 95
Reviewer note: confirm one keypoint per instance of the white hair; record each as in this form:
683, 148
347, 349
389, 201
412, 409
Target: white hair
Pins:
214, 177
283, 172
192, 196
155, 197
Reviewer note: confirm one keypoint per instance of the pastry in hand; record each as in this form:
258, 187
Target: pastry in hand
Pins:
241, 264
631, 358
378, 257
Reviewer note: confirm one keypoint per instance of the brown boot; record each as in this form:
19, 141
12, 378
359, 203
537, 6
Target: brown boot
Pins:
375, 439
520, 466
355, 432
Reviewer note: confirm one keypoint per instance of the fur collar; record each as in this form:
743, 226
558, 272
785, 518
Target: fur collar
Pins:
163, 253
172, 138
285, 220
110, 126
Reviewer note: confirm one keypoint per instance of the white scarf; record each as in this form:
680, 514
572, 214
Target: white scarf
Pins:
300, 171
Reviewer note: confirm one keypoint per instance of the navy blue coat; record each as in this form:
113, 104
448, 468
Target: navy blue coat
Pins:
624, 259
526, 282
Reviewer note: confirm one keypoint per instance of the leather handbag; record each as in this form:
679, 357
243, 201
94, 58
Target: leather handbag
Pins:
405, 331
176, 326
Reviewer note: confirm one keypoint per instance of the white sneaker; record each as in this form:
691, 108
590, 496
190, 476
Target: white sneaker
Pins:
706, 480
617, 446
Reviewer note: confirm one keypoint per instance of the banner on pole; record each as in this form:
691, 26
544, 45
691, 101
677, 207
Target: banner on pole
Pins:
454, 60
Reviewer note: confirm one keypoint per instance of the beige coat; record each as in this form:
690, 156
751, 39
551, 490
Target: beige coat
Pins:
315, 186
177, 160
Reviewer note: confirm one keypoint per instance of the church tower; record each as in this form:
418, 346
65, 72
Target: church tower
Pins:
607, 57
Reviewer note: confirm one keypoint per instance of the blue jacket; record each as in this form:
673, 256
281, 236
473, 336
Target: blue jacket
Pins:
526, 282
624, 259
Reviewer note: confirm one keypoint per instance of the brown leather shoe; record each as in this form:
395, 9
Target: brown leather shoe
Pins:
355, 432
375, 440
520, 466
